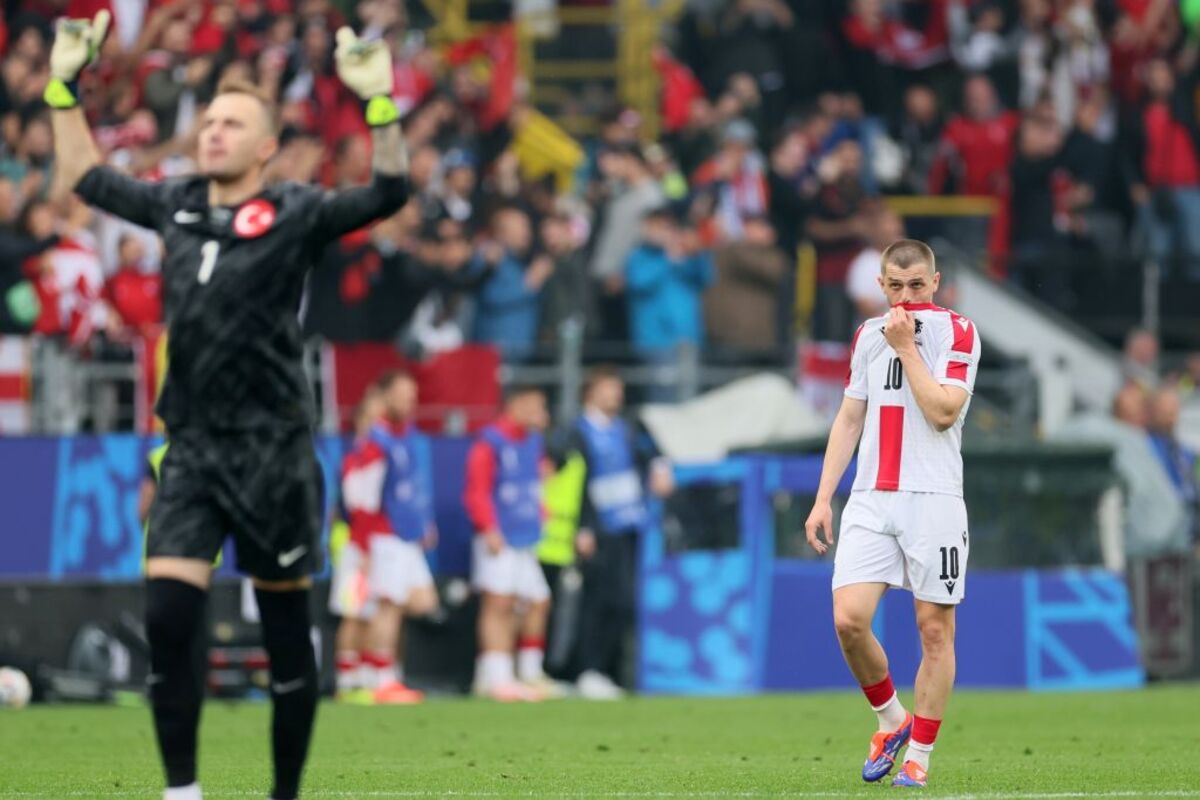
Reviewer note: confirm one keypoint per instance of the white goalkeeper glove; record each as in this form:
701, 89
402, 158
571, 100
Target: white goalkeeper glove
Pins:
77, 43
366, 67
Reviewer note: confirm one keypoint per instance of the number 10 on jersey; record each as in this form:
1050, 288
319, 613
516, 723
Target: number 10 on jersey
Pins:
208, 260
895, 375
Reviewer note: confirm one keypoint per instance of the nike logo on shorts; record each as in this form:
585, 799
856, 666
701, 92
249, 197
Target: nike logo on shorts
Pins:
292, 556
290, 686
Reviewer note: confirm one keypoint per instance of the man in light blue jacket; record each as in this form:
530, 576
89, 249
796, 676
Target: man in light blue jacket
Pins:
665, 278
507, 306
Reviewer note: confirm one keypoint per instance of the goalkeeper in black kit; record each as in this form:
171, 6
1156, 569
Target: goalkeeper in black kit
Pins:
236, 405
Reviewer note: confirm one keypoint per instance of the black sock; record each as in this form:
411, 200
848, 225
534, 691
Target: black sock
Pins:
175, 629
285, 628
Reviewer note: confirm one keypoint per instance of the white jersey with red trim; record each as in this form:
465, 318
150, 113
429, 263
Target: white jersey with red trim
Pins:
900, 450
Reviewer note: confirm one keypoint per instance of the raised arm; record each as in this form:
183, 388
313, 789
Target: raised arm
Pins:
389, 153
75, 151
76, 45
366, 68
77, 165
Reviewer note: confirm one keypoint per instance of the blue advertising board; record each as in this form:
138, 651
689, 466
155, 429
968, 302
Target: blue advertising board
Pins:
70, 505
727, 621
743, 620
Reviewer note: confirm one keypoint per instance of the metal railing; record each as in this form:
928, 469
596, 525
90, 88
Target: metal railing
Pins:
71, 394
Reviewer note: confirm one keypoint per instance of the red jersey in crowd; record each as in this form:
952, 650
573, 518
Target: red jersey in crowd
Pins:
1169, 157
977, 152
135, 296
69, 281
896, 43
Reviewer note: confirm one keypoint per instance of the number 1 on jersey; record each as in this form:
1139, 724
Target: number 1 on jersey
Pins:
208, 260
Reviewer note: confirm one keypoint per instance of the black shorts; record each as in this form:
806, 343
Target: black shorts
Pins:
264, 487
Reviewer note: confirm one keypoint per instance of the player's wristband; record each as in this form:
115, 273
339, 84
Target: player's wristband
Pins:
381, 110
61, 94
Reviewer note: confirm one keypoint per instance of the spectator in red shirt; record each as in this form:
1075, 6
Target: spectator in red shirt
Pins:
977, 146
1166, 157
68, 278
134, 294
974, 158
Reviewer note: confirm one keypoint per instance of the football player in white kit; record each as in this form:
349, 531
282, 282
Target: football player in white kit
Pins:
911, 375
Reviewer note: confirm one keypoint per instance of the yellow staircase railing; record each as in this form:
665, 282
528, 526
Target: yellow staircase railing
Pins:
552, 82
635, 25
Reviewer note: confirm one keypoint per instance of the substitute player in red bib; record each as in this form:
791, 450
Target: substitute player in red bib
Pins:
912, 372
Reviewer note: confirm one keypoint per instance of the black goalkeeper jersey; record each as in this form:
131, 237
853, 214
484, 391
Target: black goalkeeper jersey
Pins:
232, 281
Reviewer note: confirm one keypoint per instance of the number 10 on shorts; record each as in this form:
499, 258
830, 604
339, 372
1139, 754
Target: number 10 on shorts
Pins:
949, 563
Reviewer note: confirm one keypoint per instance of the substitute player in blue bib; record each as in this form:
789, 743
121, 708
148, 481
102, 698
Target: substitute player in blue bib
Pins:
503, 498
399, 579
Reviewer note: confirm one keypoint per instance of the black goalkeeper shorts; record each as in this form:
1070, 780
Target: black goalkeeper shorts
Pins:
264, 487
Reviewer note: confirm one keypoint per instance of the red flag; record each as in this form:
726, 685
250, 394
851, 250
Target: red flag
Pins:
498, 48
679, 89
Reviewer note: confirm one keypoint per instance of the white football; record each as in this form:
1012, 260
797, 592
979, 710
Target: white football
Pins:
15, 689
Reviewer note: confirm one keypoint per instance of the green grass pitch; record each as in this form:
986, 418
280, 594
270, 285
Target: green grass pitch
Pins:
1001, 744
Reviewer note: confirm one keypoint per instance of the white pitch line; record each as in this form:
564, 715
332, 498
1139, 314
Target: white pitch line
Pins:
1172, 793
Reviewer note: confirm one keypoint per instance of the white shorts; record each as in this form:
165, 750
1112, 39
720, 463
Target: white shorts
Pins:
513, 571
348, 593
397, 569
910, 540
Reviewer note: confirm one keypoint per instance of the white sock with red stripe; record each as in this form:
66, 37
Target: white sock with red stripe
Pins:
382, 669
919, 753
886, 704
924, 734
530, 658
348, 671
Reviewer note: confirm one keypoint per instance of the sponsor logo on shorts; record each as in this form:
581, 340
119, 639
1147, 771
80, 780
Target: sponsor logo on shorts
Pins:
286, 688
950, 586
292, 556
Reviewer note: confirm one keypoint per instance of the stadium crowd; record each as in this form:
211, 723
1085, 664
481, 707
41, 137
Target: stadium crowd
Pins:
783, 123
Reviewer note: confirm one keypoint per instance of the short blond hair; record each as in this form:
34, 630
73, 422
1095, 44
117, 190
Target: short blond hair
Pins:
239, 86
905, 253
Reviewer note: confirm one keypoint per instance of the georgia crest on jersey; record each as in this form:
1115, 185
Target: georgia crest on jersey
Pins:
900, 450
